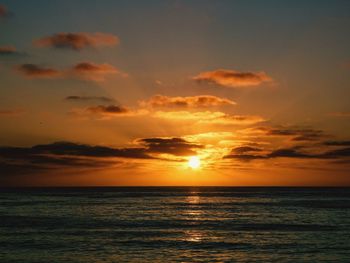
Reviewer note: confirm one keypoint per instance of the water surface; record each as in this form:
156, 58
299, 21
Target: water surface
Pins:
175, 224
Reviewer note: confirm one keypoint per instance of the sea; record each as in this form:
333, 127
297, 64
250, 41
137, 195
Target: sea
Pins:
175, 224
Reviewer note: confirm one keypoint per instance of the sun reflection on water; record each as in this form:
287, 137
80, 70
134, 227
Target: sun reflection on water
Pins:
194, 213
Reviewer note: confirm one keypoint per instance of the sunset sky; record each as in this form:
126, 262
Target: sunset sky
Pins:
126, 92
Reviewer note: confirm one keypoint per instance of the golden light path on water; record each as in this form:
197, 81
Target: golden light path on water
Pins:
194, 214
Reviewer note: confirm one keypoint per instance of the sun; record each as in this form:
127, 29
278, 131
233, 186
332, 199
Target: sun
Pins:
194, 162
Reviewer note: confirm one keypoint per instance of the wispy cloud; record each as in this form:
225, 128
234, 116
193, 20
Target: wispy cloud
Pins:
339, 114
8, 50
36, 71
232, 78
4, 12
293, 133
293, 153
7, 113
209, 117
200, 101
89, 98
93, 71
106, 112
83, 70
77, 41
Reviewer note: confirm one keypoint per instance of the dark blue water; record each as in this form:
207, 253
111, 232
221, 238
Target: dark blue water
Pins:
184, 224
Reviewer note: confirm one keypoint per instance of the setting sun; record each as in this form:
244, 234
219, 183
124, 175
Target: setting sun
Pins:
194, 162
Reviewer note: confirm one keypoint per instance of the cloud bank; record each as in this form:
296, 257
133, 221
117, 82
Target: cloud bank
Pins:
77, 41
200, 101
232, 78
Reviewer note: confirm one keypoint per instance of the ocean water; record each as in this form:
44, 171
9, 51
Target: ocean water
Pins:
175, 224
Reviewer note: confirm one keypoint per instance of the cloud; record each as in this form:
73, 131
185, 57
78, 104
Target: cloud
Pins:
84, 70
299, 134
337, 143
294, 153
294, 133
232, 78
36, 71
61, 155
111, 109
8, 50
105, 112
174, 146
89, 98
209, 117
245, 149
4, 12
10, 112
77, 41
200, 101
75, 149
339, 114
93, 71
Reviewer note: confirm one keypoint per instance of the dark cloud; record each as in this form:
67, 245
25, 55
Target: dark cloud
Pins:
339, 153
71, 149
46, 157
295, 153
174, 146
42, 158
289, 153
8, 50
245, 149
232, 78
36, 71
89, 98
245, 157
296, 134
187, 102
111, 109
93, 71
77, 41
4, 12
337, 143
105, 112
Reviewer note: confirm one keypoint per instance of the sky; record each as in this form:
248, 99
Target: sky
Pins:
125, 93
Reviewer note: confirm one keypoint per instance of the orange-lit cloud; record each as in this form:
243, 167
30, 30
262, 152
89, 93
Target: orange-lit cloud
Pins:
232, 78
36, 71
77, 41
83, 70
8, 50
174, 146
186, 102
93, 71
3, 11
59, 155
209, 117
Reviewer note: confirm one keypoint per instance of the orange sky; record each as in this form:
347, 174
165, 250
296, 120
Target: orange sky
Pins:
259, 93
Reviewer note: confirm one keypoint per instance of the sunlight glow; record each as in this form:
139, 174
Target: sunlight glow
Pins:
194, 162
